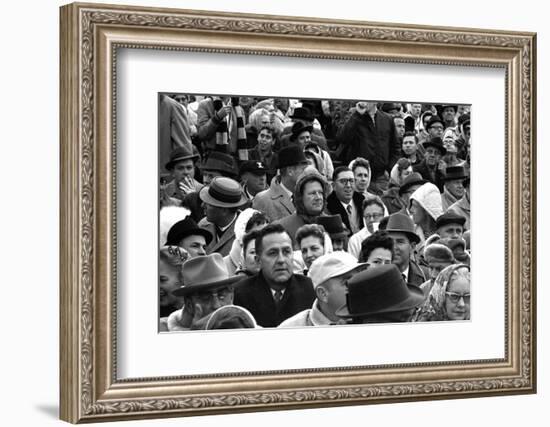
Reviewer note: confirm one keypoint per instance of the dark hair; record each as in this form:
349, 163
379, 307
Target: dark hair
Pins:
360, 162
378, 239
339, 170
248, 237
269, 129
411, 133
257, 218
314, 230
269, 229
374, 201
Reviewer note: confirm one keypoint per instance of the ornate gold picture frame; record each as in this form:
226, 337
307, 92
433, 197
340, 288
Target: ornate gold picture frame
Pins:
91, 34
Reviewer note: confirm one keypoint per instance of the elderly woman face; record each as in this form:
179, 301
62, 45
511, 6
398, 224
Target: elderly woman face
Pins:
457, 298
449, 143
417, 212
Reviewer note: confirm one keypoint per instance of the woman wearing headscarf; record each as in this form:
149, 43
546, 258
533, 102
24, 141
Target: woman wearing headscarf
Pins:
449, 298
425, 206
401, 170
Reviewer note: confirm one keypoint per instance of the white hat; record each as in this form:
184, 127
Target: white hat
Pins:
332, 265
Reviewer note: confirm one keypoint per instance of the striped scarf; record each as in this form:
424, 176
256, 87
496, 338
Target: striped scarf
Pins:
224, 127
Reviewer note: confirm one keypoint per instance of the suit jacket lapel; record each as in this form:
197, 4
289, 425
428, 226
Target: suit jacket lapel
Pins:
281, 195
227, 235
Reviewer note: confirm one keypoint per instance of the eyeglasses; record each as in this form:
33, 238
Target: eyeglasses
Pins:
454, 297
373, 215
345, 181
436, 127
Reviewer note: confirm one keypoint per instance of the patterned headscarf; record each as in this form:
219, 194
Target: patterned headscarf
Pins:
434, 307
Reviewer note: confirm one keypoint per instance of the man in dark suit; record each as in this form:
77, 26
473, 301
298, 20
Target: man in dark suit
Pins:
275, 293
344, 201
400, 227
370, 133
222, 200
430, 167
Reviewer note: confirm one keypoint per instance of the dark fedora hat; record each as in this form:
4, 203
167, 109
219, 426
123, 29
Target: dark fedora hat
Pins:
184, 228
333, 225
455, 172
434, 120
203, 273
291, 155
298, 128
413, 179
178, 154
401, 223
302, 113
379, 290
390, 106
223, 192
221, 162
449, 218
436, 142
443, 107
464, 119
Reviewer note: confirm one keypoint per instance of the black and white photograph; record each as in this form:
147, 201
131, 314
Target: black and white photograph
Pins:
291, 212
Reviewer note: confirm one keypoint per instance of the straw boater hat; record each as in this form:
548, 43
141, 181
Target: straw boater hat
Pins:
379, 290
204, 273
223, 193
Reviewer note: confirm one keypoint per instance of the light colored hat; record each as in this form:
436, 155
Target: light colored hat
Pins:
331, 265
224, 193
231, 317
204, 273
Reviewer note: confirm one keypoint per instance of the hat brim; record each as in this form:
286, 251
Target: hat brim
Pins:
459, 221
340, 235
414, 300
452, 178
201, 287
207, 198
412, 235
439, 147
170, 165
191, 232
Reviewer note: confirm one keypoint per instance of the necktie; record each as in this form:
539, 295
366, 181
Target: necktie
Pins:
278, 296
348, 209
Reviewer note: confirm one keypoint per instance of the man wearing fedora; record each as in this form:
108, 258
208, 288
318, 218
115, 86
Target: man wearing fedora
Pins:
379, 295
222, 200
400, 227
217, 164
339, 234
206, 287
276, 202
345, 201
188, 235
310, 196
435, 128
182, 170
275, 293
453, 187
430, 167
253, 178
263, 151
450, 225
448, 114
329, 274
462, 206
370, 133
304, 116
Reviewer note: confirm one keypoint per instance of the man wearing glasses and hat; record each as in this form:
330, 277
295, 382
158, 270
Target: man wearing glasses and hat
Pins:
222, 200
400, 227
379, 295
206, 287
